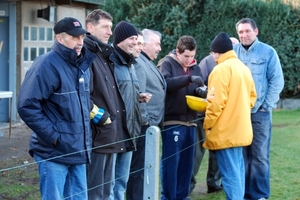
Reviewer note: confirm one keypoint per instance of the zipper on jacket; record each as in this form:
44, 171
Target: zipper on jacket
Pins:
130, 71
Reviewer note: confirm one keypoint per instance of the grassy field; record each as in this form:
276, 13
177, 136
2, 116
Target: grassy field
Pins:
285, 159
22, 183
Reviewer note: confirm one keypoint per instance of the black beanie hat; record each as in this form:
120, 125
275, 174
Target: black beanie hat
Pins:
221, 43
123, 30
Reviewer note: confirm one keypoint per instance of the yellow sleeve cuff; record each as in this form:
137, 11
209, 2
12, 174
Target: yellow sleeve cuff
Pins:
94, 111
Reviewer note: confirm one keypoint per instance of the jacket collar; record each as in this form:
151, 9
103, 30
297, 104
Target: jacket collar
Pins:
125, 58
94, 45
173, 55
70, 56
144, 54
227, 55
252, 46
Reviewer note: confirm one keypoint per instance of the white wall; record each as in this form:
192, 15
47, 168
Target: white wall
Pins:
30, 19
76, 12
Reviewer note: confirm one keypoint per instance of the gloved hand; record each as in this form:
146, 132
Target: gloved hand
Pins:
198, 80
99, 116
201, 92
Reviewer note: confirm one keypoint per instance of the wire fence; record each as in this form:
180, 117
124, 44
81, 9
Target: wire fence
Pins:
33, 164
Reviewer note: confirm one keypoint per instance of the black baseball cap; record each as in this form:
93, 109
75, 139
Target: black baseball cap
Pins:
69, 25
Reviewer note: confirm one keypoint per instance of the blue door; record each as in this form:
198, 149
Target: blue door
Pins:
4, 71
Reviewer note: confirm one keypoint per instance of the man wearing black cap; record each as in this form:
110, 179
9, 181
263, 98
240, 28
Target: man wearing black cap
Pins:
54, 102
150, 81
213, 176
125, 39
227, 123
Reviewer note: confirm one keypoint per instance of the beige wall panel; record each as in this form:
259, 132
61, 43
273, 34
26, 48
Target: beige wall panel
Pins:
78, 13
29, 19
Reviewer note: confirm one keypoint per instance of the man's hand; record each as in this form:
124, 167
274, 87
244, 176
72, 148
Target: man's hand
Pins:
198, 80
201, 92
144, 97
108, 121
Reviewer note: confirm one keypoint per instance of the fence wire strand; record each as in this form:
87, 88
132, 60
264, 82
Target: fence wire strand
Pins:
144, 135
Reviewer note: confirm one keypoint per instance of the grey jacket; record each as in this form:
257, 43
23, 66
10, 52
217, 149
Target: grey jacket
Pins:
151, 81
206, 65
129, 88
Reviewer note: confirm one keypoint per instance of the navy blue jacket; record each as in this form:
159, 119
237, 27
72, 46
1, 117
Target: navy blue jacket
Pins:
54, 102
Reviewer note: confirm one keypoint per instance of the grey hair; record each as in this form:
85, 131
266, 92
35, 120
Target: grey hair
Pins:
147, 35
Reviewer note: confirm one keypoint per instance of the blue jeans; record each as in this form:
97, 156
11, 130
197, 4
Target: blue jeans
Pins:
256, 157
61, 180
177, 161
122, 168
231, 165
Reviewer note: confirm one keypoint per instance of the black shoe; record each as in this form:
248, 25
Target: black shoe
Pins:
191, 190
214, 189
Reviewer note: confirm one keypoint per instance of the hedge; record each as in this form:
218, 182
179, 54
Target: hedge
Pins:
278, 24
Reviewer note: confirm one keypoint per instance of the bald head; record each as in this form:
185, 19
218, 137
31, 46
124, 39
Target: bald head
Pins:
234, 40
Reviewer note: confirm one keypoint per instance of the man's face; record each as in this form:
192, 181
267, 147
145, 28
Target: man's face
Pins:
128, 45
70, 41
246, 33
153, 47
216, 56
102, 31
186, 58
138, 47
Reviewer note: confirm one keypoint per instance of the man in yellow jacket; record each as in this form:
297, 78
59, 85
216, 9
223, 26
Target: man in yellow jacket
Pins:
227, 123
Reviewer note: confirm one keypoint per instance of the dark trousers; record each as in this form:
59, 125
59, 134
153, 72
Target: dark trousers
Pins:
100, 173
213, 177
177, 161
135, 185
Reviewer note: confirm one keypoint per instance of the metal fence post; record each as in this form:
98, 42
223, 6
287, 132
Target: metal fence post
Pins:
152, 163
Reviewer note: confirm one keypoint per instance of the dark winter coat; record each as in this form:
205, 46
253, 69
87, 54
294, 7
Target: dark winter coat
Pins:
178, 86
105, 94
54, 101
129, 89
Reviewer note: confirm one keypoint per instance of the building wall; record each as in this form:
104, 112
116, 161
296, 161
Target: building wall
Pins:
29, 37
37, 34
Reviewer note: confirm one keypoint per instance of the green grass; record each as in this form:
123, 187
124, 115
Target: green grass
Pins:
284, 158
21, 183
285, 168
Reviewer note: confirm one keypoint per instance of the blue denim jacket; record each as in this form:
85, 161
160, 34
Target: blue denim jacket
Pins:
266, 70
